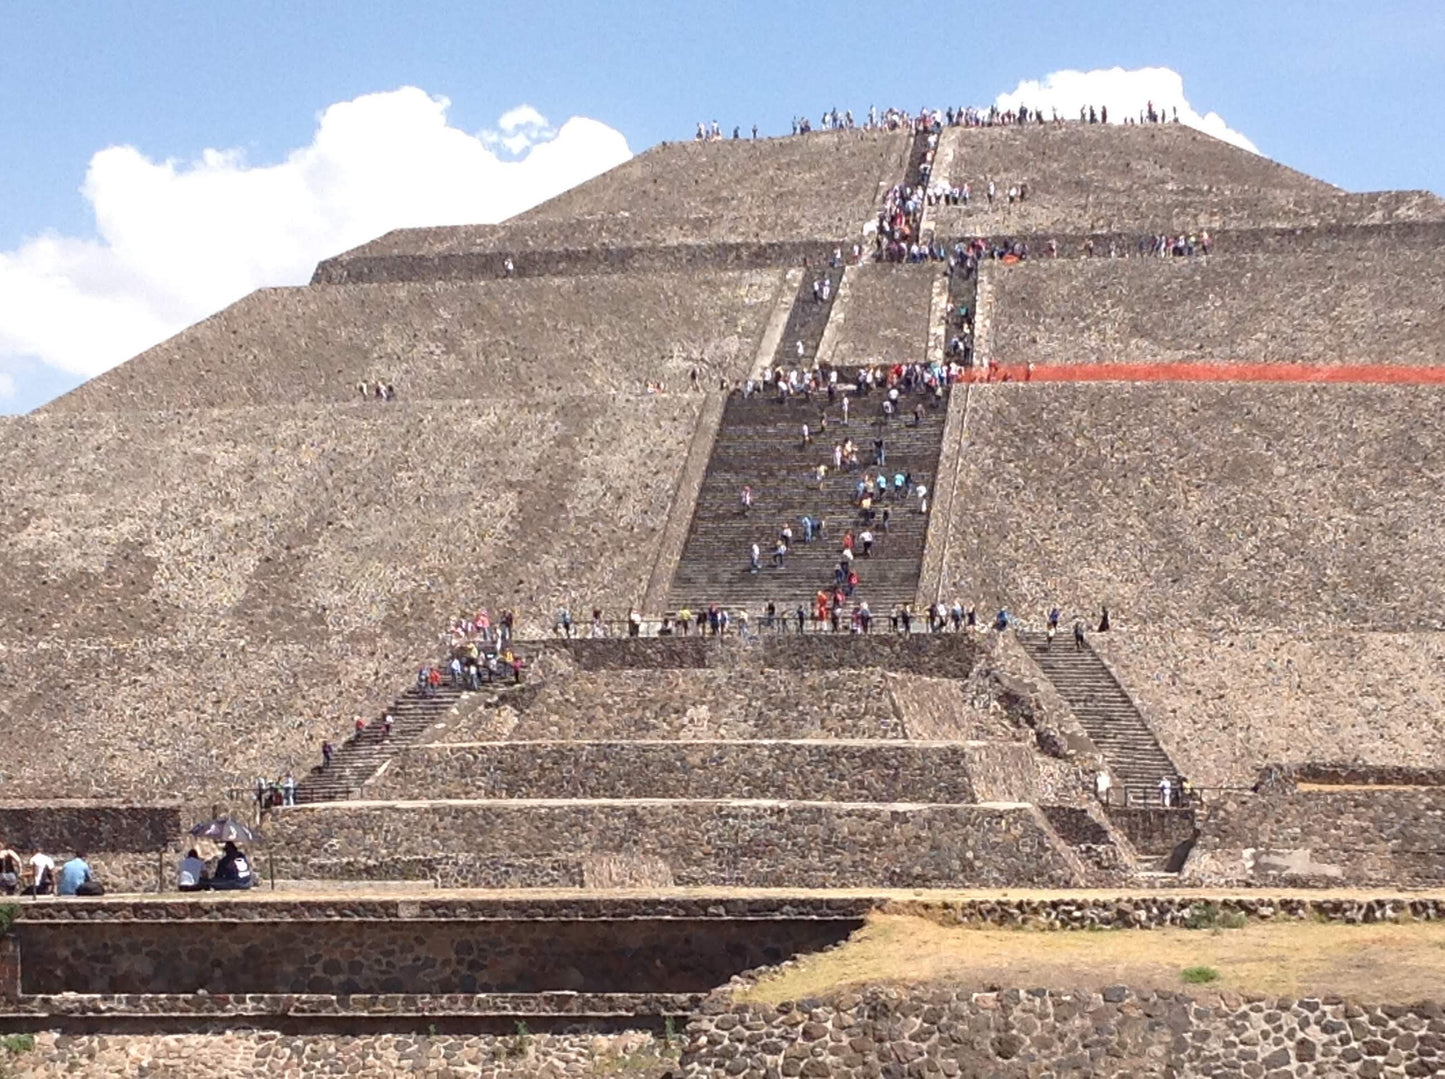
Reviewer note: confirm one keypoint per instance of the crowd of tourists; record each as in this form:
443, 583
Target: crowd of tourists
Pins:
40, 875
895, 119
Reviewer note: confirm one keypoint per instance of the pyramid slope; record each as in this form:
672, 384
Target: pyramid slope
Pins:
448, 341
193, 596
1375, 306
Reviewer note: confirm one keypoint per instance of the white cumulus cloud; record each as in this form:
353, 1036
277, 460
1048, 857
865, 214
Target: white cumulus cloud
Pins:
1124, 93
176, 241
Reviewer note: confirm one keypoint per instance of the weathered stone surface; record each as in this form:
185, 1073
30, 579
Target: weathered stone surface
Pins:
409, 957
1357, 836
1055, 1032
1365, 307
834, 770
824, 186
250, 1053
1240, 525
1225, 704
883, 315
241, 583
449, 341
759, 844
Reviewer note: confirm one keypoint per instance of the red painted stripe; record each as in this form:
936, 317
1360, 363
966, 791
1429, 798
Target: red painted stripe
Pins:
1374, 374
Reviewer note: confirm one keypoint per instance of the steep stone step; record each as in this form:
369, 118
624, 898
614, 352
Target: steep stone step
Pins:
1105, 711
359, 758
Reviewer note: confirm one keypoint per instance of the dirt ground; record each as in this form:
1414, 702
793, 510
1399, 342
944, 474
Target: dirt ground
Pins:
1377, 962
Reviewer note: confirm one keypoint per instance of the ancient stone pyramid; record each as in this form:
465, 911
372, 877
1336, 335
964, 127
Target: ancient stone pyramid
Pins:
217, 553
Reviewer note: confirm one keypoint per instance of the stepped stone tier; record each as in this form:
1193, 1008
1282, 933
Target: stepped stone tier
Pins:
218, 554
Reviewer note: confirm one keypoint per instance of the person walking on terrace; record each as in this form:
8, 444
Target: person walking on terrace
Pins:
563, 625
1078, 634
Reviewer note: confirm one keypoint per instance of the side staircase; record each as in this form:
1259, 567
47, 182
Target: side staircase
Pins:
759, 444
917, 151
808, 318
357, 759
1106, 712
962, 293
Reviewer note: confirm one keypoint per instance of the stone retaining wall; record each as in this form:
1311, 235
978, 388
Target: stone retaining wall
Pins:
835, 771
948, 1031
530, 260
724, 703
1154, 830
546, 1005
63, 827
1351, 836
1075, 911
408, 957
250, 1054
941, 655
752, 844
1351, 773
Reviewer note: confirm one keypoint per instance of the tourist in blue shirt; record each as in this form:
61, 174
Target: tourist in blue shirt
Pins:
74, 875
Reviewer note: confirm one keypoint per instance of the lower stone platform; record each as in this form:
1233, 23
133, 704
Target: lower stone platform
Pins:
834, 769
661, 842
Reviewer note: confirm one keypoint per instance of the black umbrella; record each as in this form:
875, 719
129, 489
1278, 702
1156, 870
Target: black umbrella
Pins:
226, 830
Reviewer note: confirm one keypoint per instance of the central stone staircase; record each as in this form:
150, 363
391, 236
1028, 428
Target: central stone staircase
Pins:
1104, 710
759, 444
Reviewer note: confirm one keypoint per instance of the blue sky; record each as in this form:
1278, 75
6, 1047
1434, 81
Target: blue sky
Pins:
1347, 91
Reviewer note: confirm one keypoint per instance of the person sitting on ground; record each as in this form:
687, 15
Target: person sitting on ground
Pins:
42, 874
76, 878
233, 871
191, 875
9, 871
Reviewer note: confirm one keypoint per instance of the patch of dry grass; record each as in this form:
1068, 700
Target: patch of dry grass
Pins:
1383, 961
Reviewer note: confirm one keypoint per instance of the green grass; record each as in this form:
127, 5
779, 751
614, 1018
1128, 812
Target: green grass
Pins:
1200, 975
1212, 916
